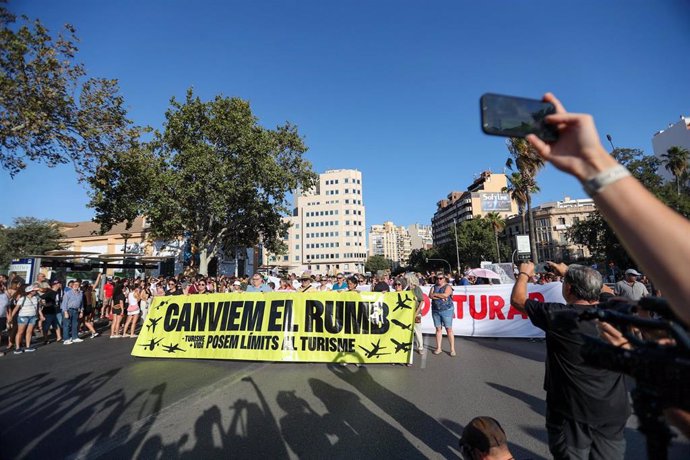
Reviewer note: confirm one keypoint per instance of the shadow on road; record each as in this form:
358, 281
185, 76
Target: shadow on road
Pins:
520, 347
426, 428
40, 421
538, 405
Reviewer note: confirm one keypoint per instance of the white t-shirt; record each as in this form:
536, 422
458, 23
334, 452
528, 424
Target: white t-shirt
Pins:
28, 306
132, 299
4, 302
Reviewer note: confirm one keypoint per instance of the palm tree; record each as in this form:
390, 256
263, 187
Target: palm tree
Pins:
676, 162
517, 193
498, 224
528, 164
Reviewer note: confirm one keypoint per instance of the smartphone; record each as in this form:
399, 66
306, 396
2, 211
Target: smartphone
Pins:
511, 116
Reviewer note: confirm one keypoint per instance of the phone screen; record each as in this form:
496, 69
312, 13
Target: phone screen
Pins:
516, 117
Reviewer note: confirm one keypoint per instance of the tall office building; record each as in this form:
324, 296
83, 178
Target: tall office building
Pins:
420, 236
484, 195
391, 242
327, 231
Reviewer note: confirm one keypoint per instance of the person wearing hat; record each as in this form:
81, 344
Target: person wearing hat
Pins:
305, 283
484, 439
27, 313
630, 288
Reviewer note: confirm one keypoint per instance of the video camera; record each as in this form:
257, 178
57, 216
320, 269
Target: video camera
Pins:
659, 360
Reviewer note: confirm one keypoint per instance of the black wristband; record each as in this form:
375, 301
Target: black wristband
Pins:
525, 273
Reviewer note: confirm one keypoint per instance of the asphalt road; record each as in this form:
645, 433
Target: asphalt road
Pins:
93, 400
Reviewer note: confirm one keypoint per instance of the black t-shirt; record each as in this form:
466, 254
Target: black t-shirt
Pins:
574, 389
50, 300
119, 297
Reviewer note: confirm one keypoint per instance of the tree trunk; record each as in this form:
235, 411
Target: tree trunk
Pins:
532, 233
498, 250
205, 257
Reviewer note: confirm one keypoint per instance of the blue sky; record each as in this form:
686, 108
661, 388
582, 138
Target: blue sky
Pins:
387, 87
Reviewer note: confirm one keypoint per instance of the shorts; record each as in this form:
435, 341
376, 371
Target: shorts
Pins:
133, 312
27, 320
442, 318
117, 311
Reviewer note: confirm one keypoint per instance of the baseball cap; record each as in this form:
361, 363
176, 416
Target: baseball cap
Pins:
483, 433
237, 283
54, 282
632, 271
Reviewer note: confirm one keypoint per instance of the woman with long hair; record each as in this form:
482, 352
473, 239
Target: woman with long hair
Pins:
26, 311
89, 308
119, 300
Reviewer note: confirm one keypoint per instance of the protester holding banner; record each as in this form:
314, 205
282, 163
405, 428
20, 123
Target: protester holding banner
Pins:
305, 283
257, 284
413, 285
441, 296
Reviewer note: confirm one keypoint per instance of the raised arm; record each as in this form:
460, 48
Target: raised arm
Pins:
652, 233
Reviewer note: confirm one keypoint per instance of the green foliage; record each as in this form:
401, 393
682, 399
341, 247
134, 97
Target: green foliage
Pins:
213, 175
528, 163
596, 234
675, 160
376, 263
28, 236
417, 260
50, 112
476, 242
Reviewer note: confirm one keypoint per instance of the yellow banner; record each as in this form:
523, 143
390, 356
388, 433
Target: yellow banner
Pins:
366, 327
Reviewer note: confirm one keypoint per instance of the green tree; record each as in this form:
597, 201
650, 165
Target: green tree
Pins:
497, 224
476, 242
28, 236
675, 160
519, 192
376, 263
213, 175
596, 234
528, 163
49, 111
418, 259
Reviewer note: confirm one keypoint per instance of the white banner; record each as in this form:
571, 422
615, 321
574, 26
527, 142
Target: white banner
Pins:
485, 311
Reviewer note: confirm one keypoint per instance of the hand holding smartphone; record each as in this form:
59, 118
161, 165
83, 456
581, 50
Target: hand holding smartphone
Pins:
510, 116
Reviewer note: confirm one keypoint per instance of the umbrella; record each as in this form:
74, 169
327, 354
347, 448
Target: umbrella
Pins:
483, 273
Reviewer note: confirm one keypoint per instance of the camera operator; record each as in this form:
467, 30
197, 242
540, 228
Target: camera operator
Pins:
655, 235
586, 408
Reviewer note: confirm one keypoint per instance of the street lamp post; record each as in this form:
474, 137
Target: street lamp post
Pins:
442, 260
457, 250
125, 236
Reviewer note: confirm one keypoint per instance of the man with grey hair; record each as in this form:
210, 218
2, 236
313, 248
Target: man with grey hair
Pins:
586, 408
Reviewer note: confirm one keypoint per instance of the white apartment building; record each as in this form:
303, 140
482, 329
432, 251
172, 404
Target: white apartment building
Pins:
391, 242
676, 135
420, 236
327, 234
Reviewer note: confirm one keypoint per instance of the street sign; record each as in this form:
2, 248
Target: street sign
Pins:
523, 249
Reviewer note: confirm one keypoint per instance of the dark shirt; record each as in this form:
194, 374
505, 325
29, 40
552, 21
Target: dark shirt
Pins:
381, 286
119, 297
574, 389
49, 303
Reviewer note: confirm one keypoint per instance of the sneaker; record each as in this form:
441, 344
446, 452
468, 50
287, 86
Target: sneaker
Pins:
134, 335
95, 334
67, 342
18, 351
124, 336
115, 336
77, 340
29, 350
